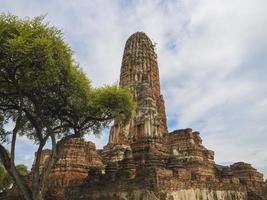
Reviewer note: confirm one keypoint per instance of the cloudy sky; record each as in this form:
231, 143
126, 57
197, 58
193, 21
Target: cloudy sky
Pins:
212, 58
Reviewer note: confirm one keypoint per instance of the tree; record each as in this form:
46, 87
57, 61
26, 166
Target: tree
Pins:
47, 96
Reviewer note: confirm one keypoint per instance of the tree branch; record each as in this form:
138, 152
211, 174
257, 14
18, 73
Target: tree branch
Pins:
14, 137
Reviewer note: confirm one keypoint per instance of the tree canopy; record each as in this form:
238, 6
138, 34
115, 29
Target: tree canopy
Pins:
47, 96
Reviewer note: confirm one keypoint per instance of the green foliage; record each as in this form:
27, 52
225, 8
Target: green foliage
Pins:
45, 93
38, 75
115, 100
22, 169
35, 65
5, 180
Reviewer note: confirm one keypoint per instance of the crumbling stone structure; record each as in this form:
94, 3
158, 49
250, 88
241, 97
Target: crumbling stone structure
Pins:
142, 161
78, 157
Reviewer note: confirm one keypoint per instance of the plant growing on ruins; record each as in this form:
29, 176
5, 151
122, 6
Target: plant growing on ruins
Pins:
47, 97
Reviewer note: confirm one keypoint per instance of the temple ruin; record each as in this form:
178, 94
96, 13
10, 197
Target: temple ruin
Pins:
142, 160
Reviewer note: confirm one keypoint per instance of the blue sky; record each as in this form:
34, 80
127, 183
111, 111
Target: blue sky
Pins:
212, 58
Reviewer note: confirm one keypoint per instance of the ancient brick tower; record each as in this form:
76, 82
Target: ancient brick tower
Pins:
140, 73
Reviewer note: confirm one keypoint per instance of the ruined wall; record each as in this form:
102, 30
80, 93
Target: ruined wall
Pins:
246, 173
72, 168
197, 194
190, 194
251, 178
144, 194
187, 152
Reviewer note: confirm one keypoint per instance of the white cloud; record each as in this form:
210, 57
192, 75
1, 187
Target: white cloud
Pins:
211, 53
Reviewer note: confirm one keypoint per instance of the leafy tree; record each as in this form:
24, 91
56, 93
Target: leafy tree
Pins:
47, 96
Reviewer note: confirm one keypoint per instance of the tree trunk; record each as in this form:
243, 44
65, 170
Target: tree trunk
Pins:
12, 171
57, 150
36, 192
21, 184
37, 195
